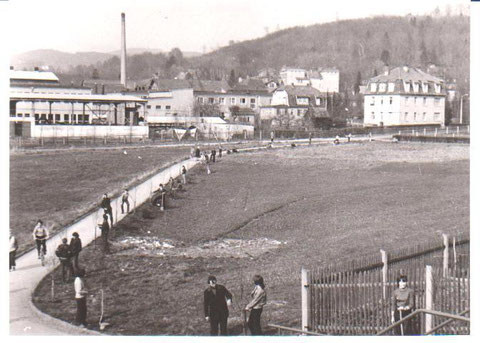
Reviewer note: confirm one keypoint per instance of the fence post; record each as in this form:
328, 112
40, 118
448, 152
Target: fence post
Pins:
445, 254
454, 255
428, 297
306, 300
384, 272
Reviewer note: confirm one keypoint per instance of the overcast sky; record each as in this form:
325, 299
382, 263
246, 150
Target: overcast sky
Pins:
87, 25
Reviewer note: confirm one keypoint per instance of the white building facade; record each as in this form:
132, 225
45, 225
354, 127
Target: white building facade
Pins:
404, 96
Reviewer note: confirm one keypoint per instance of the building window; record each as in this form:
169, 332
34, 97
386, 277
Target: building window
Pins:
373, 87
243, 100
436, 101
424, 117
66, 117
302, 100
149, 107
158, 107
405, 116
382, 87
27, 115
372, 102
391, 100
438, 88
436, 116
414, 100
221, 100
233, 101
381, 100
373, 115
13, 115
57, 117
19, 115
424, 100
414, 116
406, 99
167, 107
391, 86
211, 100
50, 117
200, 100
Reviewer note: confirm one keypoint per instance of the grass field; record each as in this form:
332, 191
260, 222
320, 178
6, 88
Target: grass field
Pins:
58, 187
271, 213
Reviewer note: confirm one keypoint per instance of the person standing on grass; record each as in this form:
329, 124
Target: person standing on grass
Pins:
259, 299
105, 228
220, 152
214, 153
216, 300
125, 197
107, 207
13, 251
272, 136
80, 298
403, 303
40, 235
64, 254
206, 160
184, 175
197, 152
76, 247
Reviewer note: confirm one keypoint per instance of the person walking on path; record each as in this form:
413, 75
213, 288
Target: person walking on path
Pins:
40, 235
403, 303
80, 298
184, 175
216, 300
272, 136
76, 247
107, 207
105, 228
259, 299
13, 251
220, 152
197, 152
64, 254
125, 197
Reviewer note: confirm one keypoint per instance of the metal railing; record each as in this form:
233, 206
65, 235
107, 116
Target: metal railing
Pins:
451, 317
281, 328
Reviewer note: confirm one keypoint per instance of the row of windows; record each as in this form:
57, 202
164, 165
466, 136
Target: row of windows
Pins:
221, 101
71, 93
50, 117
408, 100
159, 107
408, 86
406, 116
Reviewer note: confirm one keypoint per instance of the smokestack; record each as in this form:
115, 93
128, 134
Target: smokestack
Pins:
123, 55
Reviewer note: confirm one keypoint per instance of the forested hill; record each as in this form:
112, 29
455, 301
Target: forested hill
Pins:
360, 45
358, 48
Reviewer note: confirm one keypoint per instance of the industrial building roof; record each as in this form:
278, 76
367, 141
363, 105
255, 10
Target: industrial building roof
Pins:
74, 97
46, 76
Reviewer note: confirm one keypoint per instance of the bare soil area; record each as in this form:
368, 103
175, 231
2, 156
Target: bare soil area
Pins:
267, 213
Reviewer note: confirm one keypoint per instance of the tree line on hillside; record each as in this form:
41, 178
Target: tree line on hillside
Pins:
359, 48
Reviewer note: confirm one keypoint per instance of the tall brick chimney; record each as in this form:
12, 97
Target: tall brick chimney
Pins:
123, 55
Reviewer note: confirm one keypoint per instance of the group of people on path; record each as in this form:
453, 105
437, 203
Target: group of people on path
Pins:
217, 300
68, 256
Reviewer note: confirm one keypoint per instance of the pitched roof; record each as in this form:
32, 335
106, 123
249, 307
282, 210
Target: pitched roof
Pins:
300, 90
407, 74
47, 76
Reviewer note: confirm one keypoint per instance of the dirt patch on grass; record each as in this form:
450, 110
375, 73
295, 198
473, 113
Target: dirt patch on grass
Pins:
235, 248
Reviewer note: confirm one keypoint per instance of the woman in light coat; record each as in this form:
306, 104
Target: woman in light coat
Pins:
259, 299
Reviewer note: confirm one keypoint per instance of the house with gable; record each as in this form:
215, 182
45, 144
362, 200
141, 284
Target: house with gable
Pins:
404, 96
291, 105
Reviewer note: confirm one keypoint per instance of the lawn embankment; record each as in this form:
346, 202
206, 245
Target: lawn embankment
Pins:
271, 213
60, 186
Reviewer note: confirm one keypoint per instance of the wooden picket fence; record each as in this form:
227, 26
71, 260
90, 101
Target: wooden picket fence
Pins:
338, 300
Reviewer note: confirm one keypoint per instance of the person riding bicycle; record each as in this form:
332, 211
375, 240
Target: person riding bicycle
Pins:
40, 235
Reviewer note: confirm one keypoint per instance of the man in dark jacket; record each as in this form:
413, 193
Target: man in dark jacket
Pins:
216, 301
107, 207
76, 247
105, 228
64, 253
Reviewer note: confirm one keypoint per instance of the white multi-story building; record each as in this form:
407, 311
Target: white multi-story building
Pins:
404, 96
326, 80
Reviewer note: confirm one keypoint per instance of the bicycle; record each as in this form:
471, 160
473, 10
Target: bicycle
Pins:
41, 253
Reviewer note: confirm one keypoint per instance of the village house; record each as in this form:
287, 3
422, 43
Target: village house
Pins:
404, 96
291, 105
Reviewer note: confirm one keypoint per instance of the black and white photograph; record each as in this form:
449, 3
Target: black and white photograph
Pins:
184, 169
